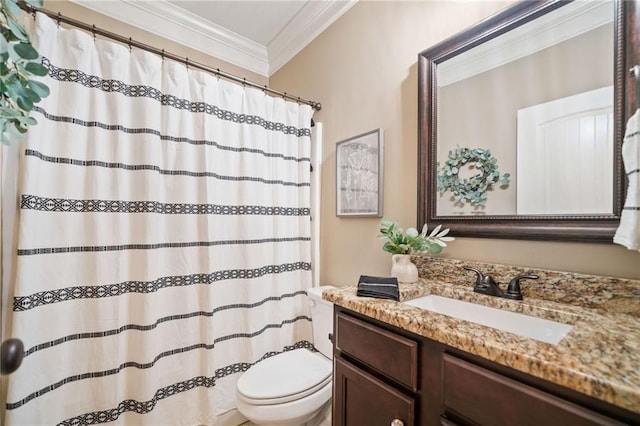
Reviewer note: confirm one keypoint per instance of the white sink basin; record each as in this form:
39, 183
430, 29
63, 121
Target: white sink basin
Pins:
523, 325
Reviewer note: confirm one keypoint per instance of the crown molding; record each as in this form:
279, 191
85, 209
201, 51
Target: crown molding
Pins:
312, 20
562, 24
174, 23
167, 20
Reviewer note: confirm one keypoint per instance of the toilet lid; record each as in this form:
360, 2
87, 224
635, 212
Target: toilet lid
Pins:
284, 377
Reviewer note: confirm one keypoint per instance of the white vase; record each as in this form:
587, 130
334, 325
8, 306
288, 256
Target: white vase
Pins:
403, 269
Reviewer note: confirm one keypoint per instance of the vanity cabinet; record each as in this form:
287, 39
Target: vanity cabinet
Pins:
384, 376
375, 375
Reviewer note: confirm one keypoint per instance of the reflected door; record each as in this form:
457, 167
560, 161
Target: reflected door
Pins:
565, 155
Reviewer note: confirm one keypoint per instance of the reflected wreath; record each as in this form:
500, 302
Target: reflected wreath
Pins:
472, 190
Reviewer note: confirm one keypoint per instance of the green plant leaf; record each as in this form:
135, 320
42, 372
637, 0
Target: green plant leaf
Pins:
24, 103
13, 55
4, 46
36, 68
27, 121
16, 29
31, 95
23, 91
12, 7
435, 249
10, 78
13, 132
9, 113
19, 61
13, 86
389, 247
20, 128
26, 51
40, 88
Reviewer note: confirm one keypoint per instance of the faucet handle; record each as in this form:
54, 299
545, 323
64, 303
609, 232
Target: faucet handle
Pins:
480, 278
513, 290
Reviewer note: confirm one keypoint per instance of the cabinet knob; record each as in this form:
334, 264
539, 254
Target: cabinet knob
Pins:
397, 422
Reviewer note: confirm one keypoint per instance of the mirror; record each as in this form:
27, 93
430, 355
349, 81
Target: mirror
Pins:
522, 119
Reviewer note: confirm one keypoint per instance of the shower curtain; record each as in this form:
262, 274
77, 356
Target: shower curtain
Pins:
163, 242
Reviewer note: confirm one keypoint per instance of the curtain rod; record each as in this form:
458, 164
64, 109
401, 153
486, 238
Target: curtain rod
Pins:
161, 52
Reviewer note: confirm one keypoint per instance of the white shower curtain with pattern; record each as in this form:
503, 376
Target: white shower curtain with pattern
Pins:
163, 242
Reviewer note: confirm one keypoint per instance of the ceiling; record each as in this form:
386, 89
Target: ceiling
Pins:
258, 35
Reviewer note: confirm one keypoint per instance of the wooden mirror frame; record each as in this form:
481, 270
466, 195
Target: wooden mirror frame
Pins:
588, 228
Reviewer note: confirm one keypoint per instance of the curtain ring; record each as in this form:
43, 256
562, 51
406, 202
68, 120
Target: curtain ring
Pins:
265, 89
218, 73
298, 100
186, 61
129, 44
162, 55
93, 31
244, 82
59, 19
284, 96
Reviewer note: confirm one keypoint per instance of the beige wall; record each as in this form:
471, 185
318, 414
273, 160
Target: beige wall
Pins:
363, 70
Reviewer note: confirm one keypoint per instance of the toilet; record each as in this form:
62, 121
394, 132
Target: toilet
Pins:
293, 387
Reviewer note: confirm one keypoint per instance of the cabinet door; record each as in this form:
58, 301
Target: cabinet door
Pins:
491, 399
361, 399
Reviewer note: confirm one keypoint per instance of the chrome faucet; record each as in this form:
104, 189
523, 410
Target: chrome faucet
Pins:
485, 284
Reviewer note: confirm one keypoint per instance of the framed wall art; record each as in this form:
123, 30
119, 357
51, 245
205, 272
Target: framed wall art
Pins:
359, 174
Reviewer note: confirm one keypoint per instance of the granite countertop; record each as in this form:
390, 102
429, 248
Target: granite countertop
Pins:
599, 357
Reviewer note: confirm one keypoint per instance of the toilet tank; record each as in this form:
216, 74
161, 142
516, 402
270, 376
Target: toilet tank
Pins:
322, 320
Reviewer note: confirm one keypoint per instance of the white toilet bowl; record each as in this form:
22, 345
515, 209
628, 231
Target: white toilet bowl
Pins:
291, 388
287, 389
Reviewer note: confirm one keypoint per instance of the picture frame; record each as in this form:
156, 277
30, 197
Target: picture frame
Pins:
359, 175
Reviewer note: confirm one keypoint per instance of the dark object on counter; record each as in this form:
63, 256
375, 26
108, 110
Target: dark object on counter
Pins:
11, 354
485, 284
379, 287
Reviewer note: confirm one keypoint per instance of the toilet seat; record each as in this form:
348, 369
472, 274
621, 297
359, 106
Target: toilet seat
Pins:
285, 377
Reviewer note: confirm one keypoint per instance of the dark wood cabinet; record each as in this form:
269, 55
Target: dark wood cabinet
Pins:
361, 399
375, 375
484, 397
393, 356
383, 373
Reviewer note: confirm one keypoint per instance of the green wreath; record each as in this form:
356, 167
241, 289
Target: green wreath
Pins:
471, 190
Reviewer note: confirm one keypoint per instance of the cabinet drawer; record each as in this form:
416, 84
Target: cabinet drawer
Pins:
489, 398
361, 399
394, 356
